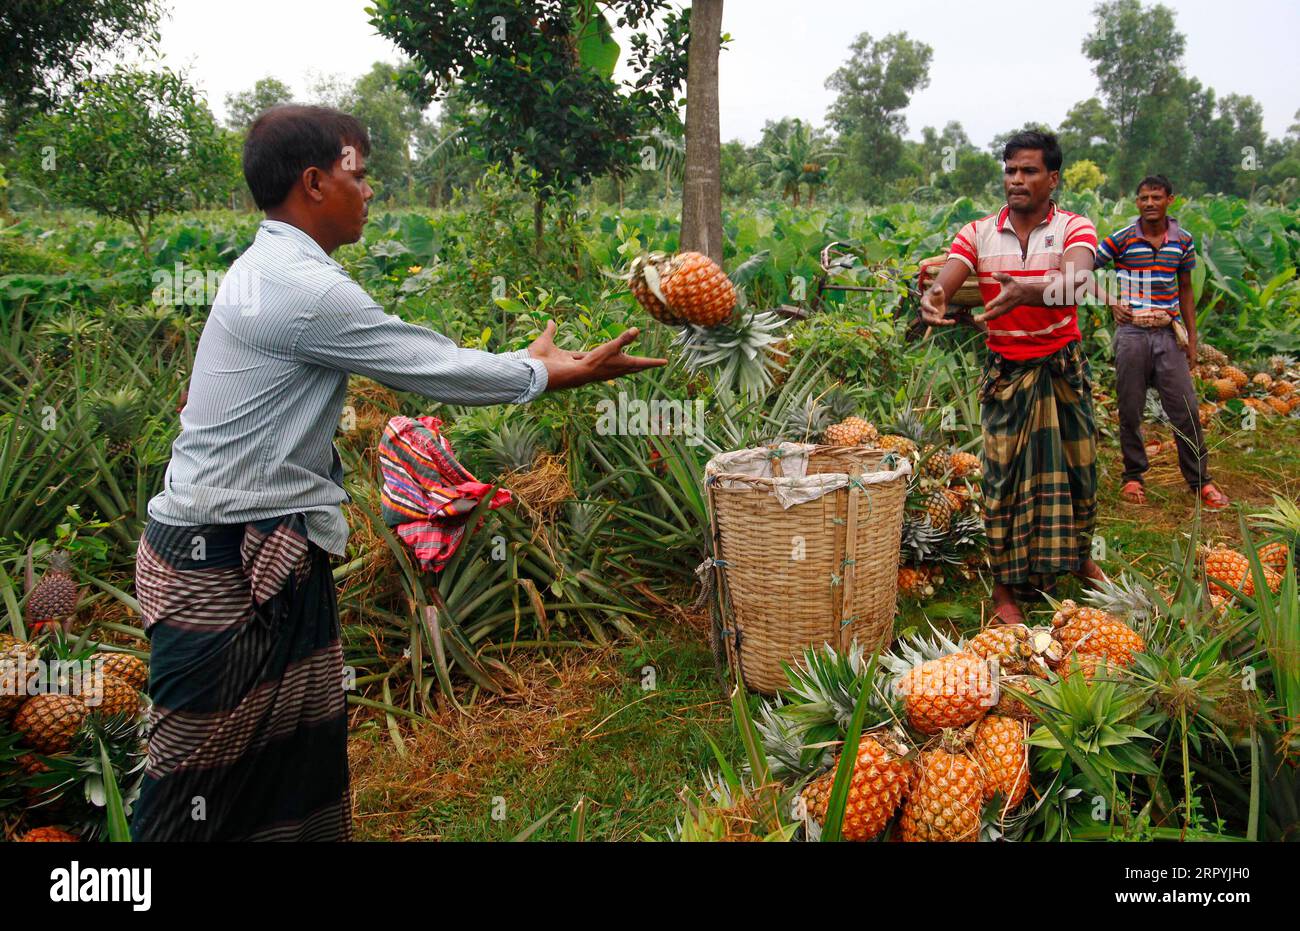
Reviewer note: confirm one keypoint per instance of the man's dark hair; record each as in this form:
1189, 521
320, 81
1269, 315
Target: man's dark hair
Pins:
285, 141
1031, 139
1159, 181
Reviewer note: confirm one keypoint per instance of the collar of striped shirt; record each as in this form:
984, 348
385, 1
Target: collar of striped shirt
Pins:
299, 236
1004, 215
1172, 232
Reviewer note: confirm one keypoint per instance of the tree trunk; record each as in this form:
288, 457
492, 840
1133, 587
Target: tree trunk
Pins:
702, 177
537, 224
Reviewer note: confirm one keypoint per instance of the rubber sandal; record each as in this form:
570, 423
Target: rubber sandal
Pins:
1133, 492
1213, 499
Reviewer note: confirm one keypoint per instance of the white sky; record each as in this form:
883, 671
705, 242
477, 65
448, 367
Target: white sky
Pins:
782, 51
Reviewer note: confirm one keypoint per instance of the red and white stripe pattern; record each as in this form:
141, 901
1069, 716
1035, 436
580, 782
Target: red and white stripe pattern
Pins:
989, 246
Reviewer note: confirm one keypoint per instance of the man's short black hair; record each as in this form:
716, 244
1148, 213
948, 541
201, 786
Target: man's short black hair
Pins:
285, 141
1159, 181
1032, 139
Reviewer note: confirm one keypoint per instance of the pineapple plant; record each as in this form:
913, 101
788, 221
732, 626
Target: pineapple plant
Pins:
999, 747
687, 288
514, 447
946, 799
130, 669
48, 721
55, 597
806, 422
118, 414
881, 778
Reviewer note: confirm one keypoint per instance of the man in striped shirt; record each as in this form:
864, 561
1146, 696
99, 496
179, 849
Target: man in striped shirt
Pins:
1155, 311
1039, 455
248, 714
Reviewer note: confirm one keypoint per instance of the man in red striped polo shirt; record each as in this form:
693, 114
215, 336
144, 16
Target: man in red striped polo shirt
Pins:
1040, 476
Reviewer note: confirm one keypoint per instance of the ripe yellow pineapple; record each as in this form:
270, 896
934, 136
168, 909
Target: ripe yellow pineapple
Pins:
1236, 376
48, 835
939, 509
1273, 556
1091, 630
1281, 389
1206, 412
692, 286
892, 442
111, 696
1086, 663
48, 721
1262, 380
1011, 705
1225, 389
17, 664
938, 462
1225, 566
999, 746
1006, 643
964, 464
914, 582
839, 434
1278, 405
950, 691
130, 669
866, 431
946, 798
881, 778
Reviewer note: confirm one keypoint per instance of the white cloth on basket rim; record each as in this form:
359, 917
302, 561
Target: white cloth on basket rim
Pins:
733, 469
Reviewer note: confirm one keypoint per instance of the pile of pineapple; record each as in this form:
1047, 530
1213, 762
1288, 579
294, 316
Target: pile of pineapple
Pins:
65, 709
1274, 390
945, 756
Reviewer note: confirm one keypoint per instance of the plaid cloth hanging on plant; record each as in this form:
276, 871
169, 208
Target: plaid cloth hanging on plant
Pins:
427, 494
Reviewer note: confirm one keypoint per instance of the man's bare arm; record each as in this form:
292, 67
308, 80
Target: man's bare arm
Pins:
1060, 286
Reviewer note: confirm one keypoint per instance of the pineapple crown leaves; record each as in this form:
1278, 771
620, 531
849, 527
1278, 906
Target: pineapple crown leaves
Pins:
824, 688
1128, 596
913, 648
739, 353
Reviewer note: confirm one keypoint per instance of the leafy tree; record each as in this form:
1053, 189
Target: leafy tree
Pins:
539, 77
1136, 52
131, 145
740, 178
793, 159
392, 118
244, 107
873, 88
1083, 175
1000, 141
47, 46
1087, 133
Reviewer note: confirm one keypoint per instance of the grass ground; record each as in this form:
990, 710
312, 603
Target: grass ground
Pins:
586, 728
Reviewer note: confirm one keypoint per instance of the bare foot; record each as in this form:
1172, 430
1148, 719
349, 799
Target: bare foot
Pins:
1005, 609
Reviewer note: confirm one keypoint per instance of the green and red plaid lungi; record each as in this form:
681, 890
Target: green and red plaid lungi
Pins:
1040, 465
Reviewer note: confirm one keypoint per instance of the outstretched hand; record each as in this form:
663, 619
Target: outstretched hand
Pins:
566, 369
1012, 295
934, 306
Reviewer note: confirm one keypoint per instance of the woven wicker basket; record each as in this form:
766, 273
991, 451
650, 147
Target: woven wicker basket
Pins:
821, 571
968, 295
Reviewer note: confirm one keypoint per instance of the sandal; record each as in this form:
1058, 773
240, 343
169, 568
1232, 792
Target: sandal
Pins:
1133, 492
1211, 498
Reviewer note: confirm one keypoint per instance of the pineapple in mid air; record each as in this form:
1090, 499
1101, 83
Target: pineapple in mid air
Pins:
685, 288
55, 597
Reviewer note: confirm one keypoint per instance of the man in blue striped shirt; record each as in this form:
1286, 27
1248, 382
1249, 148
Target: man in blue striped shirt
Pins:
233, 576
1155, 338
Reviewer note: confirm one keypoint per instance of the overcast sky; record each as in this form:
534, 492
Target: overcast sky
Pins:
783, 50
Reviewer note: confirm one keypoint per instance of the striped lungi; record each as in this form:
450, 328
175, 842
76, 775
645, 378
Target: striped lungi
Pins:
248, 729
1040, 465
